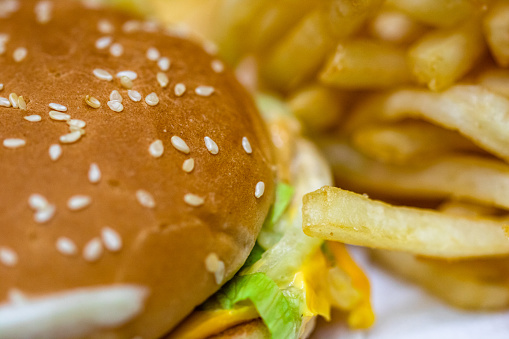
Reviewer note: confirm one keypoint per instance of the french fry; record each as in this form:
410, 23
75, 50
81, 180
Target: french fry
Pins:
481, 284
279, 17
409, 142
366, 64
395, 27
439, 13
475, 112
442, 57
496, 28
335, 214
496, 80
300, 53
318, 107
462, 177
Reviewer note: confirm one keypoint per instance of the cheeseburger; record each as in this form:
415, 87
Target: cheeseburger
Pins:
135, 177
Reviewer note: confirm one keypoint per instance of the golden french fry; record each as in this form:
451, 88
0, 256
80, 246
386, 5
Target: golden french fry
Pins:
496, 80
471, 284
395, 27
409, 142
318, 107
300, 53
442, 57
335, 214
366, 64
440, 13
496, 28
463, 177
474, 111
276, 20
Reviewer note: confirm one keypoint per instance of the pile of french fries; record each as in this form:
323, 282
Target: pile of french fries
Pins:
409, 101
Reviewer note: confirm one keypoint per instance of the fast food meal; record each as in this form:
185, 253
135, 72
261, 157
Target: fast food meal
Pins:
409, 102
136, 176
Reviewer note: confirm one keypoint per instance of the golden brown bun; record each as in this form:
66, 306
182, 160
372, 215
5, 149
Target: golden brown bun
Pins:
163, 248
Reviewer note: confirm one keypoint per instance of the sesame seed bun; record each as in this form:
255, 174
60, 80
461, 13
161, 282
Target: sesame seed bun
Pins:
135, 174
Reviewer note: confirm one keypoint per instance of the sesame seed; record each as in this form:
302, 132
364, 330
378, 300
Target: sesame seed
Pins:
131, 26
193, 199
4, 37
130, 74
217, 66
14, 143
115, 96
58, 107
74, 128
105, 27
92, 102
102, 74
134, 95
210, 47
180, 89
216, 266
259, 189
180, 144
55, 151
111, 239
94, 173
211, 145
22, 103
43, 11
246, 145
44, 215
13, 98
163, 63
19, 54
204, 91
115, 106
66, 246
78, 202
103, 42
33, 118
156, 149
8, 257
76, 123
93, 250
70, 137
4, 102
188, 165
16, 297
152, 99
150, 26
59, 116
162, 79
116, 49
153, 54
145, 198
37, 202
126, 82
1, 87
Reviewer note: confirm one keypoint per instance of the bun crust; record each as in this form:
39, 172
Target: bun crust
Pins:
163, 248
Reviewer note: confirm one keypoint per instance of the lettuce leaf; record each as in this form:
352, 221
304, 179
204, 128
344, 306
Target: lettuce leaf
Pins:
281, 314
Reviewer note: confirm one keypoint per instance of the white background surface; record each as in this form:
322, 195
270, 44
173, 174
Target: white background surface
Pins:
404, 311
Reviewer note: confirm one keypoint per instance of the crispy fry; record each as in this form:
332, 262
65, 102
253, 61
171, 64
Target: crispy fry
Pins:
496, 28
366, 64
467, 177
443, 56
439, 13
471, 284
318, 107
335, 214
299, 54
474, 111
409, 142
